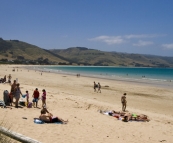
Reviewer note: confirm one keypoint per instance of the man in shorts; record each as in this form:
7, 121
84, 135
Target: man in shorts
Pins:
36, 95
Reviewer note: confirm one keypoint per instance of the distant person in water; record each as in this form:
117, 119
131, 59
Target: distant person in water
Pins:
124, 102
99, 87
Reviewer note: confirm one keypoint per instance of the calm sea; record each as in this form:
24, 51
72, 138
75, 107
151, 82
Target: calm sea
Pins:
124, 73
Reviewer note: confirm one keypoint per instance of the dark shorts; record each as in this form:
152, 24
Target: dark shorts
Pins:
35, 100
54, 120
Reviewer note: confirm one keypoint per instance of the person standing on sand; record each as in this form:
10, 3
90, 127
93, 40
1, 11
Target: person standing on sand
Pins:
36, 95
43, 97
95, 86
9, 78
4, 80
99, 87
124, 102
17, 94
12, 91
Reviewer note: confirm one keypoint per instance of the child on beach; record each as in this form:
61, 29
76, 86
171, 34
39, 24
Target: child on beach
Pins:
27, 97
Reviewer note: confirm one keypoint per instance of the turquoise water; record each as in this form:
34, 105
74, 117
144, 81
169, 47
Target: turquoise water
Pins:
153, 74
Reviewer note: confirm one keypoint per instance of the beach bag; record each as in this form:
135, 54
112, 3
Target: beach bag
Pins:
22, 103
29, 105
6, 97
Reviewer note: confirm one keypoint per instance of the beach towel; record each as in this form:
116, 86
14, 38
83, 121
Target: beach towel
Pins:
2, 103
38, 121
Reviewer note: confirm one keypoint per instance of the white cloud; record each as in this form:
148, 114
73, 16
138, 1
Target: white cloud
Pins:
144, 36
167, 46
109, 39
143, 43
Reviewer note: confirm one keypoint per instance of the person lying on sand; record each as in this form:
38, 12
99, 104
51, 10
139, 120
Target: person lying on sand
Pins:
113, 113
48, 118
125, 116
134, 117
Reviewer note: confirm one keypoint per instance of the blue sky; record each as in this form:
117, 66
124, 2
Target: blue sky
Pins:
131, 26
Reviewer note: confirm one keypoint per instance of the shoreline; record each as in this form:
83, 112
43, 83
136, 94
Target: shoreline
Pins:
155, 83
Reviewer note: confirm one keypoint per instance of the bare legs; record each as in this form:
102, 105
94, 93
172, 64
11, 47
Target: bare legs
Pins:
123, 106
16, 103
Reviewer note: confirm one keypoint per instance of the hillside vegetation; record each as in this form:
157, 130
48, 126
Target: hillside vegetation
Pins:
85, 56
18, 52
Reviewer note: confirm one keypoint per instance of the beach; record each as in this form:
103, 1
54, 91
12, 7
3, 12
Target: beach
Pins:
73, 98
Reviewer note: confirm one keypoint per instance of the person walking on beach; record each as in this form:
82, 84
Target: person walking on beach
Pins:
36, 95
124, 102
95, 86
99, 87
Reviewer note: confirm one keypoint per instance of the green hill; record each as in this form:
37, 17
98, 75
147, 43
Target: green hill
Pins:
16, 50
85, 56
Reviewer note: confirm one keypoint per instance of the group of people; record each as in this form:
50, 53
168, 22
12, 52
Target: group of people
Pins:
15, 92
97, 86
4, 80
126, 116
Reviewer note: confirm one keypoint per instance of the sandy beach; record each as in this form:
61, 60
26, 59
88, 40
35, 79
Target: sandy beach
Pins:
73, 98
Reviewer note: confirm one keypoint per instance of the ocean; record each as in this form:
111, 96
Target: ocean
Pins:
117, 73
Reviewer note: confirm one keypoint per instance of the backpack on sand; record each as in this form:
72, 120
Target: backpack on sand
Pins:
6, 97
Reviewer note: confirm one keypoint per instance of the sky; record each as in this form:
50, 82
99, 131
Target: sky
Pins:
130, 26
